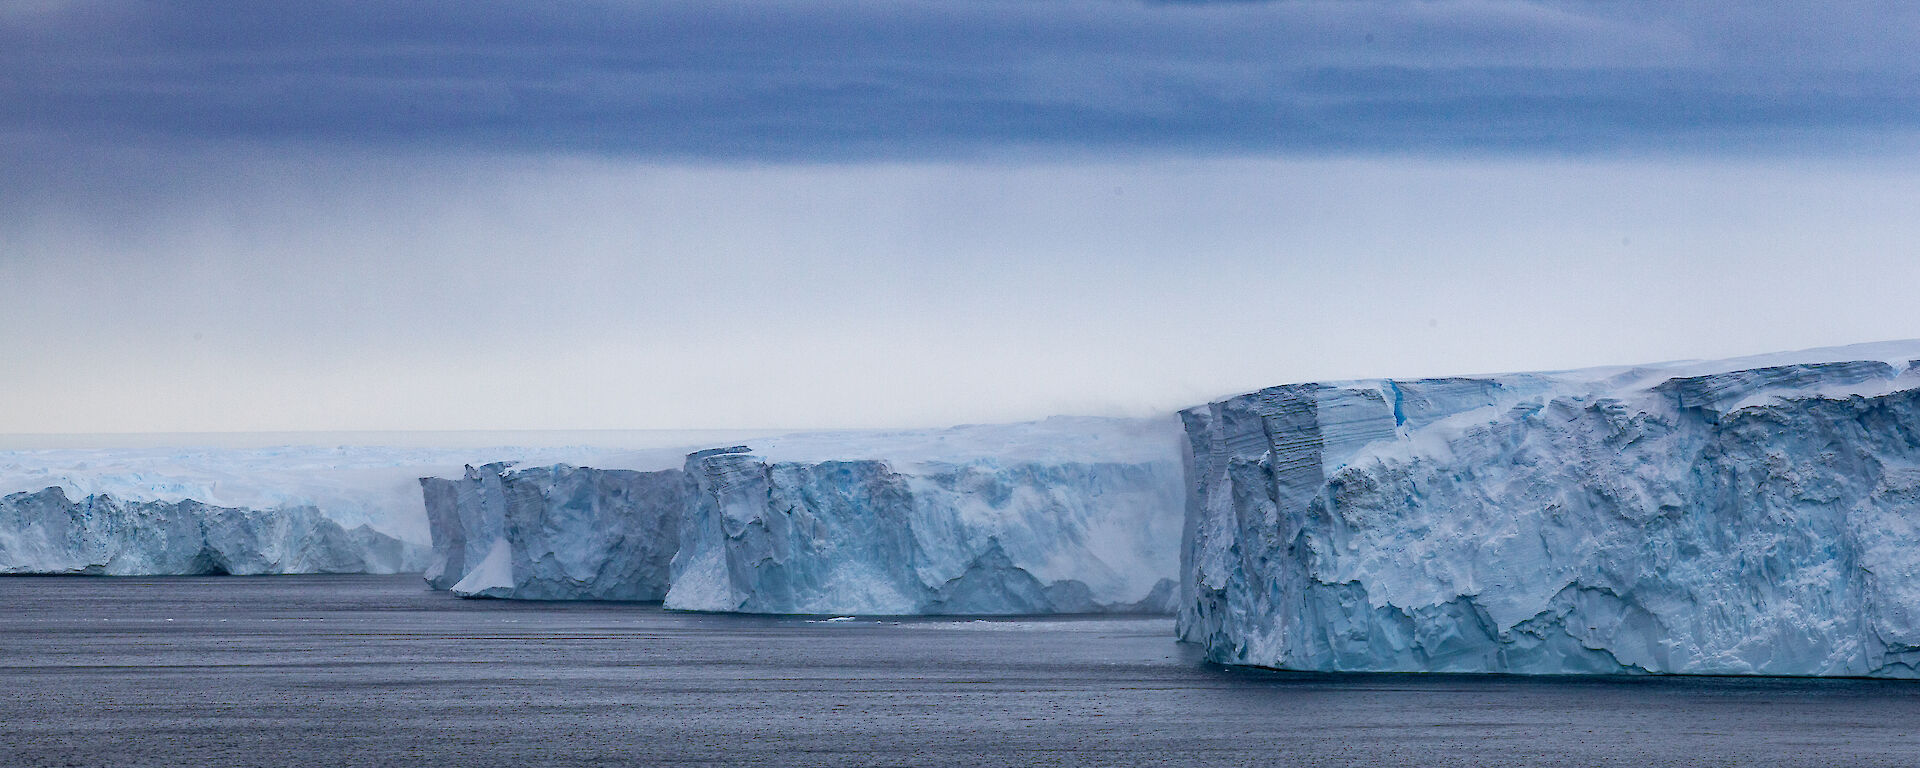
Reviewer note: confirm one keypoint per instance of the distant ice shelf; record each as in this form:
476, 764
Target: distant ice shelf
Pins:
350, 482
355, 480
1060, 516
45, 533
1749, 517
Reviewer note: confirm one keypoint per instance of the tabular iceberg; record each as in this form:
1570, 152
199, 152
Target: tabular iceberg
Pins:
348, 479
1064, 515
554, 533
868, 537
1757, 516
44, 532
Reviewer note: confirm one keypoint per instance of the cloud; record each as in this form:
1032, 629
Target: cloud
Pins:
783, 80
276, 293
439, 214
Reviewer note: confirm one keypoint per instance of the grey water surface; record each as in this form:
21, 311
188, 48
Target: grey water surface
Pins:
379, 671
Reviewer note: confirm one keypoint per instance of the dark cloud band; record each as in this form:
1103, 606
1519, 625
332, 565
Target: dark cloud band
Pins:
854, 80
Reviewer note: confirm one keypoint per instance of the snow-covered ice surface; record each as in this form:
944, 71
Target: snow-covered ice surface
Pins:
1060, 439
1749, 516
44, 532
554, 533
1066, 515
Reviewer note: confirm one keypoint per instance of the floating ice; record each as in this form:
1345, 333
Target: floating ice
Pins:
554, 533
44, 532
1064, 515
1757, 516
352, 478
981, 536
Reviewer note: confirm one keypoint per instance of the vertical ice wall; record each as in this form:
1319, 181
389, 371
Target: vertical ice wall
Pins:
554, 533
44, 532
1065, 515
869, 537
1696, 518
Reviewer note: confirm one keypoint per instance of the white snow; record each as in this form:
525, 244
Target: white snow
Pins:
1083, 439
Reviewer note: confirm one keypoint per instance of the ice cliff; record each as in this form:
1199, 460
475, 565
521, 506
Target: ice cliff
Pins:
865, 536
1757, 516
352, 478
44, 532
554, 533
1059, 516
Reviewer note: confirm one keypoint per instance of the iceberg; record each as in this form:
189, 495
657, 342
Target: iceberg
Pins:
867, 537
1758, 516
554, 533
1059, 516
45, 533
352, 478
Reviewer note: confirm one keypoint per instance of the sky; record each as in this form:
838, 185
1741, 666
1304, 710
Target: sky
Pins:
228, 216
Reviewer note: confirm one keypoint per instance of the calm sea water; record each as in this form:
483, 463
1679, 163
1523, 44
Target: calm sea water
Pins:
378, 671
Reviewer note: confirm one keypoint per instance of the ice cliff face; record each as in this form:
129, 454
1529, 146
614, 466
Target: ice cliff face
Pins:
352, 478
1065, 515
1749, 517
867, 536
554, 533
44, 532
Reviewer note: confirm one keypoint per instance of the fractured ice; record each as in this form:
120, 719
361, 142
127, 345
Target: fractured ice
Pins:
554, 533
865, 537
44, 532
1064, 515
346, 479
1757, 516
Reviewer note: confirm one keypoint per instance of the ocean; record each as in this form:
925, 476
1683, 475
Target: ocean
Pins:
380, 671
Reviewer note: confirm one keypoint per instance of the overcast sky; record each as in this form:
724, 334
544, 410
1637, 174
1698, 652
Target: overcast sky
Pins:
459, 215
